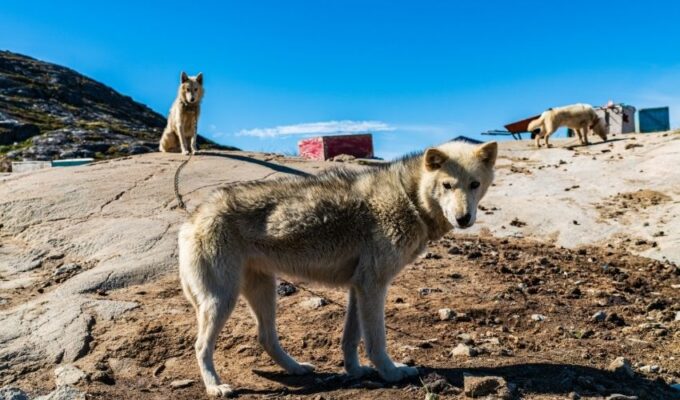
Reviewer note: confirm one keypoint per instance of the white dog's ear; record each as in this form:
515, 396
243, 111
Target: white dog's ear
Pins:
434, 159
199, 78
183, 77
487, 153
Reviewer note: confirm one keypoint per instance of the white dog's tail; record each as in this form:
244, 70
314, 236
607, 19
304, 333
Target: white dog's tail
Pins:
204, 269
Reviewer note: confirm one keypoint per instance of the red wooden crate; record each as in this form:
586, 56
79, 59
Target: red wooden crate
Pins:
520, 126
325, 147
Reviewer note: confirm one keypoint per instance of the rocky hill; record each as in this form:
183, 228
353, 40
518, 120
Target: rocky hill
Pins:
49, 112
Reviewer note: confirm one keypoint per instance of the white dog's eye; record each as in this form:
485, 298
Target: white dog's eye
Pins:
474, 185
446, 185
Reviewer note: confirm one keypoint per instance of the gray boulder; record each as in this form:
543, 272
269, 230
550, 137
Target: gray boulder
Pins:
12, 393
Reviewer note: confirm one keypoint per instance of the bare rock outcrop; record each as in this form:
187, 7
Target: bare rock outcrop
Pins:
50, 112
117, 220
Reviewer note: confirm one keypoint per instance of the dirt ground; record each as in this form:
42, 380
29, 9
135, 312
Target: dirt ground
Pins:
630, 203
525, 309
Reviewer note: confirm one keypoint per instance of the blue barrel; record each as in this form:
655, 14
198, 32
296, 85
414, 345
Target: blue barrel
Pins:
654, 120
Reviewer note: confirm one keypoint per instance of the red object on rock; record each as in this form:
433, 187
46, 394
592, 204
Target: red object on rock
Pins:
325, 147
521, 126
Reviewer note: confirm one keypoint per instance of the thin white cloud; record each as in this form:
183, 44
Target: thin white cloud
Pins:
318, 128
215, 133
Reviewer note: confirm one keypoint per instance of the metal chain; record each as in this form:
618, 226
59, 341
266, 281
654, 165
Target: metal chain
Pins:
180, 202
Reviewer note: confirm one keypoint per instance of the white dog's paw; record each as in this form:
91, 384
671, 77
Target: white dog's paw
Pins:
301, 369
398, 373
186, 152
360, 371
222, 390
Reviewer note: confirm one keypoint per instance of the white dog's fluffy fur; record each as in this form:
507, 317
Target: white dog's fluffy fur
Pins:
346, 229
183, 118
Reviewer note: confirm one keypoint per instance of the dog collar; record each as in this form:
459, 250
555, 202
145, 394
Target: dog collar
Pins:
190, 106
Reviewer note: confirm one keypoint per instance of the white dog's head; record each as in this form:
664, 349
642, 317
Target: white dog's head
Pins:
535, 127
191, 88
455, 178
599, 128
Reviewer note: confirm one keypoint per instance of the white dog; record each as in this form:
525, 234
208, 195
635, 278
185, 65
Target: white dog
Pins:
183, 117
342, 228
579, 117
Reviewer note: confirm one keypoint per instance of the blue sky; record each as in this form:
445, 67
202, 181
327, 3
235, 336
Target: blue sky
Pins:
415, 73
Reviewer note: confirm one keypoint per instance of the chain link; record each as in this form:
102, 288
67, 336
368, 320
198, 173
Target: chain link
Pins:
180, 202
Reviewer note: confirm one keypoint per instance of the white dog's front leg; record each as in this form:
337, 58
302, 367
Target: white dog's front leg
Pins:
350, 340
549, 130
371, 307
585, 135
193, 143
182, 140
547, 143
579, 134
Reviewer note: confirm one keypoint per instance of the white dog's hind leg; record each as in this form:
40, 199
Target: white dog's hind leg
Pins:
213, 313
260, 292
350, 340
216, 294
371, 307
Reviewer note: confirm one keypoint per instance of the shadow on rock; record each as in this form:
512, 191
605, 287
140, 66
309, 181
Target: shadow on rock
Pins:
522, 379
270, 165
574, 146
